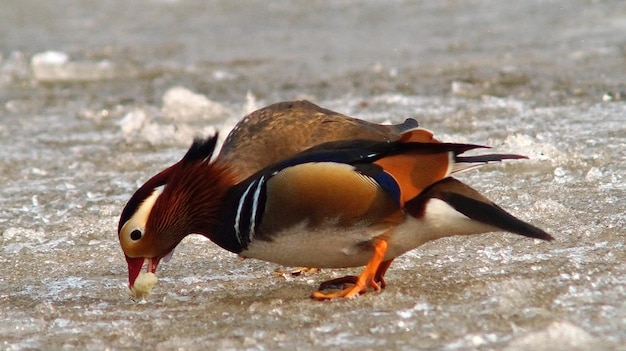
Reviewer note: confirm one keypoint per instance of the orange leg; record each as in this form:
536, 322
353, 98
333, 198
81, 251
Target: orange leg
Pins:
367, 278
380, 273
352, 279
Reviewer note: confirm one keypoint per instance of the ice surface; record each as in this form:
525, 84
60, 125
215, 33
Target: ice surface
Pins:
558, 336
534, 149
73, 150
468, 89
138, 127
50, 58
55, 66
183, 105
133, 122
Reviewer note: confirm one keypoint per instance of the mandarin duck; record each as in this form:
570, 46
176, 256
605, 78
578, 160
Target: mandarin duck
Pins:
299, 185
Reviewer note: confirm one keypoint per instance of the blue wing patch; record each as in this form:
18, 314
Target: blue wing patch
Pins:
384, 179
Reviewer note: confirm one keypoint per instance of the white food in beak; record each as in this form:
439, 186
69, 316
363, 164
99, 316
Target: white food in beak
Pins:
143, 285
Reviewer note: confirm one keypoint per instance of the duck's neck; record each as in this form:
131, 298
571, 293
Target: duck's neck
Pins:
211, 207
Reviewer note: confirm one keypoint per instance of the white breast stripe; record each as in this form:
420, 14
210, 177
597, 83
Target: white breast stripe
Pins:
242, 200
255, 205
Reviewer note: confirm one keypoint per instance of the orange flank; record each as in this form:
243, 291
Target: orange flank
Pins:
414, 172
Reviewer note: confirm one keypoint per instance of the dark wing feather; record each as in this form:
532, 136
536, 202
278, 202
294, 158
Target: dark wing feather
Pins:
469, 202
361, 151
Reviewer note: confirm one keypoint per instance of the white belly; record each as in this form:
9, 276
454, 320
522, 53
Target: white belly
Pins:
335, 247
324, 247
331, 246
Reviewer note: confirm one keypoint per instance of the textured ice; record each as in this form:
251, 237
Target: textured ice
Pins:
138, 127
50, 58
22, 234
73, 149
183, 105
133, 122
468, 89
55, 66
223, 75
559, 335
594, 174
533, 149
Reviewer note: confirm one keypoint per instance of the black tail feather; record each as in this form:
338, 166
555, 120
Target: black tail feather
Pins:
472, 204
492, 214
488, 158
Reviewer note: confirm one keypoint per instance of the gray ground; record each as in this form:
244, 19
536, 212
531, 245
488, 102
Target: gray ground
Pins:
545, 79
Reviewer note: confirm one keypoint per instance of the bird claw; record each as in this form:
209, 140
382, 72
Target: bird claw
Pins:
351, 291
372, 276
349, 286
339, 283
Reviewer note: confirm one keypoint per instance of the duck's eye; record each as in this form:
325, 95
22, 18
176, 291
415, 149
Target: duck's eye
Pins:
136, 234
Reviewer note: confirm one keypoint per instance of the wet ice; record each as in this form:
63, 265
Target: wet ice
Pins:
183, 105
76, 144
55, 66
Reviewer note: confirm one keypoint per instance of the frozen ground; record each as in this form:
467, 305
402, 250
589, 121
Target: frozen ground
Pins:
98, 96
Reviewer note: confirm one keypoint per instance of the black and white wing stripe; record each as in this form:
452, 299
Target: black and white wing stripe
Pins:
250, 207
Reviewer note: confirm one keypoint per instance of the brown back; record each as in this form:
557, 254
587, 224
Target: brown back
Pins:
278, 131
